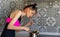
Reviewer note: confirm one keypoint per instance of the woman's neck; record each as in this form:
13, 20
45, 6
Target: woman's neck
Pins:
23, 13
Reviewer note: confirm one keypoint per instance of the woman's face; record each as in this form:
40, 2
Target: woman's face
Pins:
30, 12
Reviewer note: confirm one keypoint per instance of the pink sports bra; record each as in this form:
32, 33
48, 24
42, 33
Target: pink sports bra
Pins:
17, 23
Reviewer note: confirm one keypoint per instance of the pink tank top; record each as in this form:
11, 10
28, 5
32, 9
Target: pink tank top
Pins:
17, 23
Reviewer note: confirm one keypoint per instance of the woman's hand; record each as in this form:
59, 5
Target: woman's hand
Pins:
24, 28
27, 29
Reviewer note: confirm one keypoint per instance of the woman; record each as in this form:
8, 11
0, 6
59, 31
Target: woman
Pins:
13, 21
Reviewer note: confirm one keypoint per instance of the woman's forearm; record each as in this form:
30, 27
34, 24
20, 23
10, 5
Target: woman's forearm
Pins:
29, 23
19, 28
15, 28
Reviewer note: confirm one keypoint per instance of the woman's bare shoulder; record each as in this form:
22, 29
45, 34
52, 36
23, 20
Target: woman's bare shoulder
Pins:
17, 11
14, 12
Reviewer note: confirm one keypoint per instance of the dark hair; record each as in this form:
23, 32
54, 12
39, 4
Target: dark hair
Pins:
32, 6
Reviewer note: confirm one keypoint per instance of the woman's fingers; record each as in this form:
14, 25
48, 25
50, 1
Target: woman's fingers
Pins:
27, 29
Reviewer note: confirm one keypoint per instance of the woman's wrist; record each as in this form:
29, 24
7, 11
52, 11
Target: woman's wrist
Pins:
23, 28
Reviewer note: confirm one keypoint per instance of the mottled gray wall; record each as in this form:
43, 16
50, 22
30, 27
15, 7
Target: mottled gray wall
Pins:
46, 20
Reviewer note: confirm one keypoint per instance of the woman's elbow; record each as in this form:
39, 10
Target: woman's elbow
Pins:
9, 27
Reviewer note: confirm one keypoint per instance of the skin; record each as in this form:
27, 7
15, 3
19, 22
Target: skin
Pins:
16, 14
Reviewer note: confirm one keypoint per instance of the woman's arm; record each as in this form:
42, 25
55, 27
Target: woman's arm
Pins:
29, 23
11, 24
